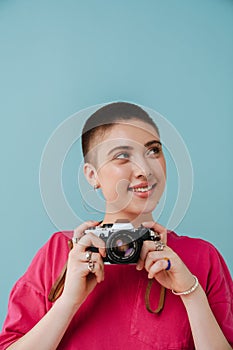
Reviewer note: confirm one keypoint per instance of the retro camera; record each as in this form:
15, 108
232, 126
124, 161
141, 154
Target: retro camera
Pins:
123, 241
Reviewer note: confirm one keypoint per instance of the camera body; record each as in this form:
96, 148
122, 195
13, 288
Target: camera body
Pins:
123, 241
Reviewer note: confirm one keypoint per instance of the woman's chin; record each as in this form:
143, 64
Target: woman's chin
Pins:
135, 211
132, 208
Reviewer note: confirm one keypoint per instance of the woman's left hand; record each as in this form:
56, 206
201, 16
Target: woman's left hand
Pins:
177, 277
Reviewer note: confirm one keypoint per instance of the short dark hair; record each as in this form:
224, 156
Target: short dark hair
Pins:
107, 116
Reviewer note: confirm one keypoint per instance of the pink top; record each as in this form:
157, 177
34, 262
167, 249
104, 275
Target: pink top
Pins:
114, 315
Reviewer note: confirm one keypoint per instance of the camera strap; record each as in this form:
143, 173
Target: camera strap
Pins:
161, 298
58, 286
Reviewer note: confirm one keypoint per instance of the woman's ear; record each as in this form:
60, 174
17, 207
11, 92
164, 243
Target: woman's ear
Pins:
91, 175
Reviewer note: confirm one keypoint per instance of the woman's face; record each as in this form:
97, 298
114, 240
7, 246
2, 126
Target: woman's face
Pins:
130, 168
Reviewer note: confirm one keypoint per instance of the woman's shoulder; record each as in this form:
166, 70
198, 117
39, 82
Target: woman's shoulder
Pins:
58, 238
58, 241
201, 256
195, 251
184, 241
48, 261
56, 249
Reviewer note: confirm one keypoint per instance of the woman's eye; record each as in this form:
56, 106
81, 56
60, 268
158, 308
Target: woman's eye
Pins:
122, 155
154, 151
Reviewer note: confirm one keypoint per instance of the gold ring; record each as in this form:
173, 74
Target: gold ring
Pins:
168, 264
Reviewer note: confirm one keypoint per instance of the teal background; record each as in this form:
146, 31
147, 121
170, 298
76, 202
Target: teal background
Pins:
57, 57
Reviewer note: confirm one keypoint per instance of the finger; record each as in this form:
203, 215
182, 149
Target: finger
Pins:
152, 257
100, 272
147, 246
79, 231
158, 266
158, 228
97, 270
89, 240
95, 257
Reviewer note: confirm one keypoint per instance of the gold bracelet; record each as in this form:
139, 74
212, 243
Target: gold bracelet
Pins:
192, 289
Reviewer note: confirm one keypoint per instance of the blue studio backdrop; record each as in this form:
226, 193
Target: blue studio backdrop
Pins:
59, 57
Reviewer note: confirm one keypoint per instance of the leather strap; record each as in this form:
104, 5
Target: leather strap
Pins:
58, 285
161, 298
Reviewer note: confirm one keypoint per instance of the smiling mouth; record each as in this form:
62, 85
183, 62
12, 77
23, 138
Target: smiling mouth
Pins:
142, 189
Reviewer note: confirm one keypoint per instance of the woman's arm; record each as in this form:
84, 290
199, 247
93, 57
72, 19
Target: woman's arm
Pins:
79, 283
48, 332
206, 332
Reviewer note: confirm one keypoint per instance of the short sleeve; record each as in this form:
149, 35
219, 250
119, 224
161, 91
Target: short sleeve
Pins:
206, 262
220, 293
26, 308
28, 301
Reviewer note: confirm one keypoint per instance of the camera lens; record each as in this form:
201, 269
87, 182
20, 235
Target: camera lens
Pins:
122, 248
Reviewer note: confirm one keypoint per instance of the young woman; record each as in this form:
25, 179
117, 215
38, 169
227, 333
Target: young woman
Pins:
109, 306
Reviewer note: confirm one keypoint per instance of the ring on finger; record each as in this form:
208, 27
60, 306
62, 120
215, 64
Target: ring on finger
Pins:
91, 266
75, 240
88, 255
168, 264
159, 246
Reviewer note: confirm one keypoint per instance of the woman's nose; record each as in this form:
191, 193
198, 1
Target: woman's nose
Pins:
141, 169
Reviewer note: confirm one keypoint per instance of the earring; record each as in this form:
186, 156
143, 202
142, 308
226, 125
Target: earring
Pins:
95, 187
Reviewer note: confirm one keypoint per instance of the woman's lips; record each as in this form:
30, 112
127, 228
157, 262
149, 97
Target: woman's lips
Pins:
142, 190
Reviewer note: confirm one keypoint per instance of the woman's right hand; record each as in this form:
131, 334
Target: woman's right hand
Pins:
80, 282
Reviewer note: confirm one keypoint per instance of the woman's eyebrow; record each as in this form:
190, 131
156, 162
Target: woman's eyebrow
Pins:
120, 148
130, 148
150, 143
